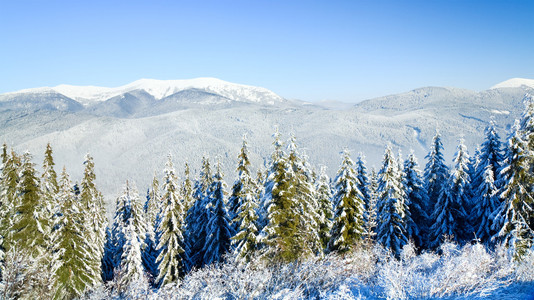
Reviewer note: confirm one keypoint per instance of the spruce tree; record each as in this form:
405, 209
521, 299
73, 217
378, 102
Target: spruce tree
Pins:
171, 259
325, 210
198, 216
416, 199
131, 267
74, 275
243, 184
436, 173
9, 183
513, 220
449, 214
187, 189
363, 183
94, 218
485, 201
30, 223
219, 232
246, 241
348, 224
391, 205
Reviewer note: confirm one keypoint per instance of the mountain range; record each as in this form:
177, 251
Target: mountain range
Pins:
131, 129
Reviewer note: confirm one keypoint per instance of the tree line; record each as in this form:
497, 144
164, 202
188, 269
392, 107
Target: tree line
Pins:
287, 213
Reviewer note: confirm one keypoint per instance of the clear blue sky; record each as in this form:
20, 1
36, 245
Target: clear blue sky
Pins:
309, 50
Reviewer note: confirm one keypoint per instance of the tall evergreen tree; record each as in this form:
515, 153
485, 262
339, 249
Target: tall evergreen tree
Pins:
8, 194
94, 217
436, 173
417, 199
131, 267
171, 259
391, 205
246, 241
348, 225
513, 220
219, 232
325, 209
74, 273
30, 225
485, 201
243, 184
449, 214
363, 183
187, 189
197, 217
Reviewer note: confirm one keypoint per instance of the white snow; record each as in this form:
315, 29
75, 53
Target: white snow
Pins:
514, 82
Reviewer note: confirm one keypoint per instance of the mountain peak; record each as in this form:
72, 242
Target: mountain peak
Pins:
514, 82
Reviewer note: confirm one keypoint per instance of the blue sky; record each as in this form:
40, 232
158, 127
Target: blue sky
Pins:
309, 50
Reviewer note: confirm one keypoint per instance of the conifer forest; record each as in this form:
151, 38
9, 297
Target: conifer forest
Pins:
403, 230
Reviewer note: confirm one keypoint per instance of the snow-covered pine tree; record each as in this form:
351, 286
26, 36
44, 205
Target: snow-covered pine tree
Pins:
8, 193
417, 199
152, 218
172, 257
219, 231
348, 226
306, 201
436, 173
187, 189
131, 267
449, 214
371, 225
95, 219
484, 189
49, 185
197, 218
30, 221
325, 210
513, 220
363, 184
245, 241
391, 205
267, 192
243, 184
73, 275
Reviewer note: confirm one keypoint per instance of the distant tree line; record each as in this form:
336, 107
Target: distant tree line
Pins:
55, 241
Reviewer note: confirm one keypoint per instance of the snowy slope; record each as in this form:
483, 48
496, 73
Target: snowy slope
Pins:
130, 134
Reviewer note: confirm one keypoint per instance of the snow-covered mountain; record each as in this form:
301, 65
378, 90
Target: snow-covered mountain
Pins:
131, 129
160, 89
515, 82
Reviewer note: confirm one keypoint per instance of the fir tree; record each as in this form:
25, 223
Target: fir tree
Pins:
198, 216
153, 208
436, 173
74, 274
30, 225
348, 225
325, 210
416, 200
513, 220
246, 241
363, 183
243, 184
131, 267
391, 205
485, 201
449, 214
171, 259
94, 218
8, 192
219, 231
187, 189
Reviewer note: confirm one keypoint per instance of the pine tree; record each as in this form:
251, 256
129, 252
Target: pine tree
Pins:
131, 267
416, 200
243, 184
197, 217
171, 259
449, 214
436, 173
30, 224
513, 220
391, 205
485, 201
363, 187
219, 232
74, 274
348, 225
8, 193
152, 217
187, 189
325, 209
246, 241
49, 185
92, 203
